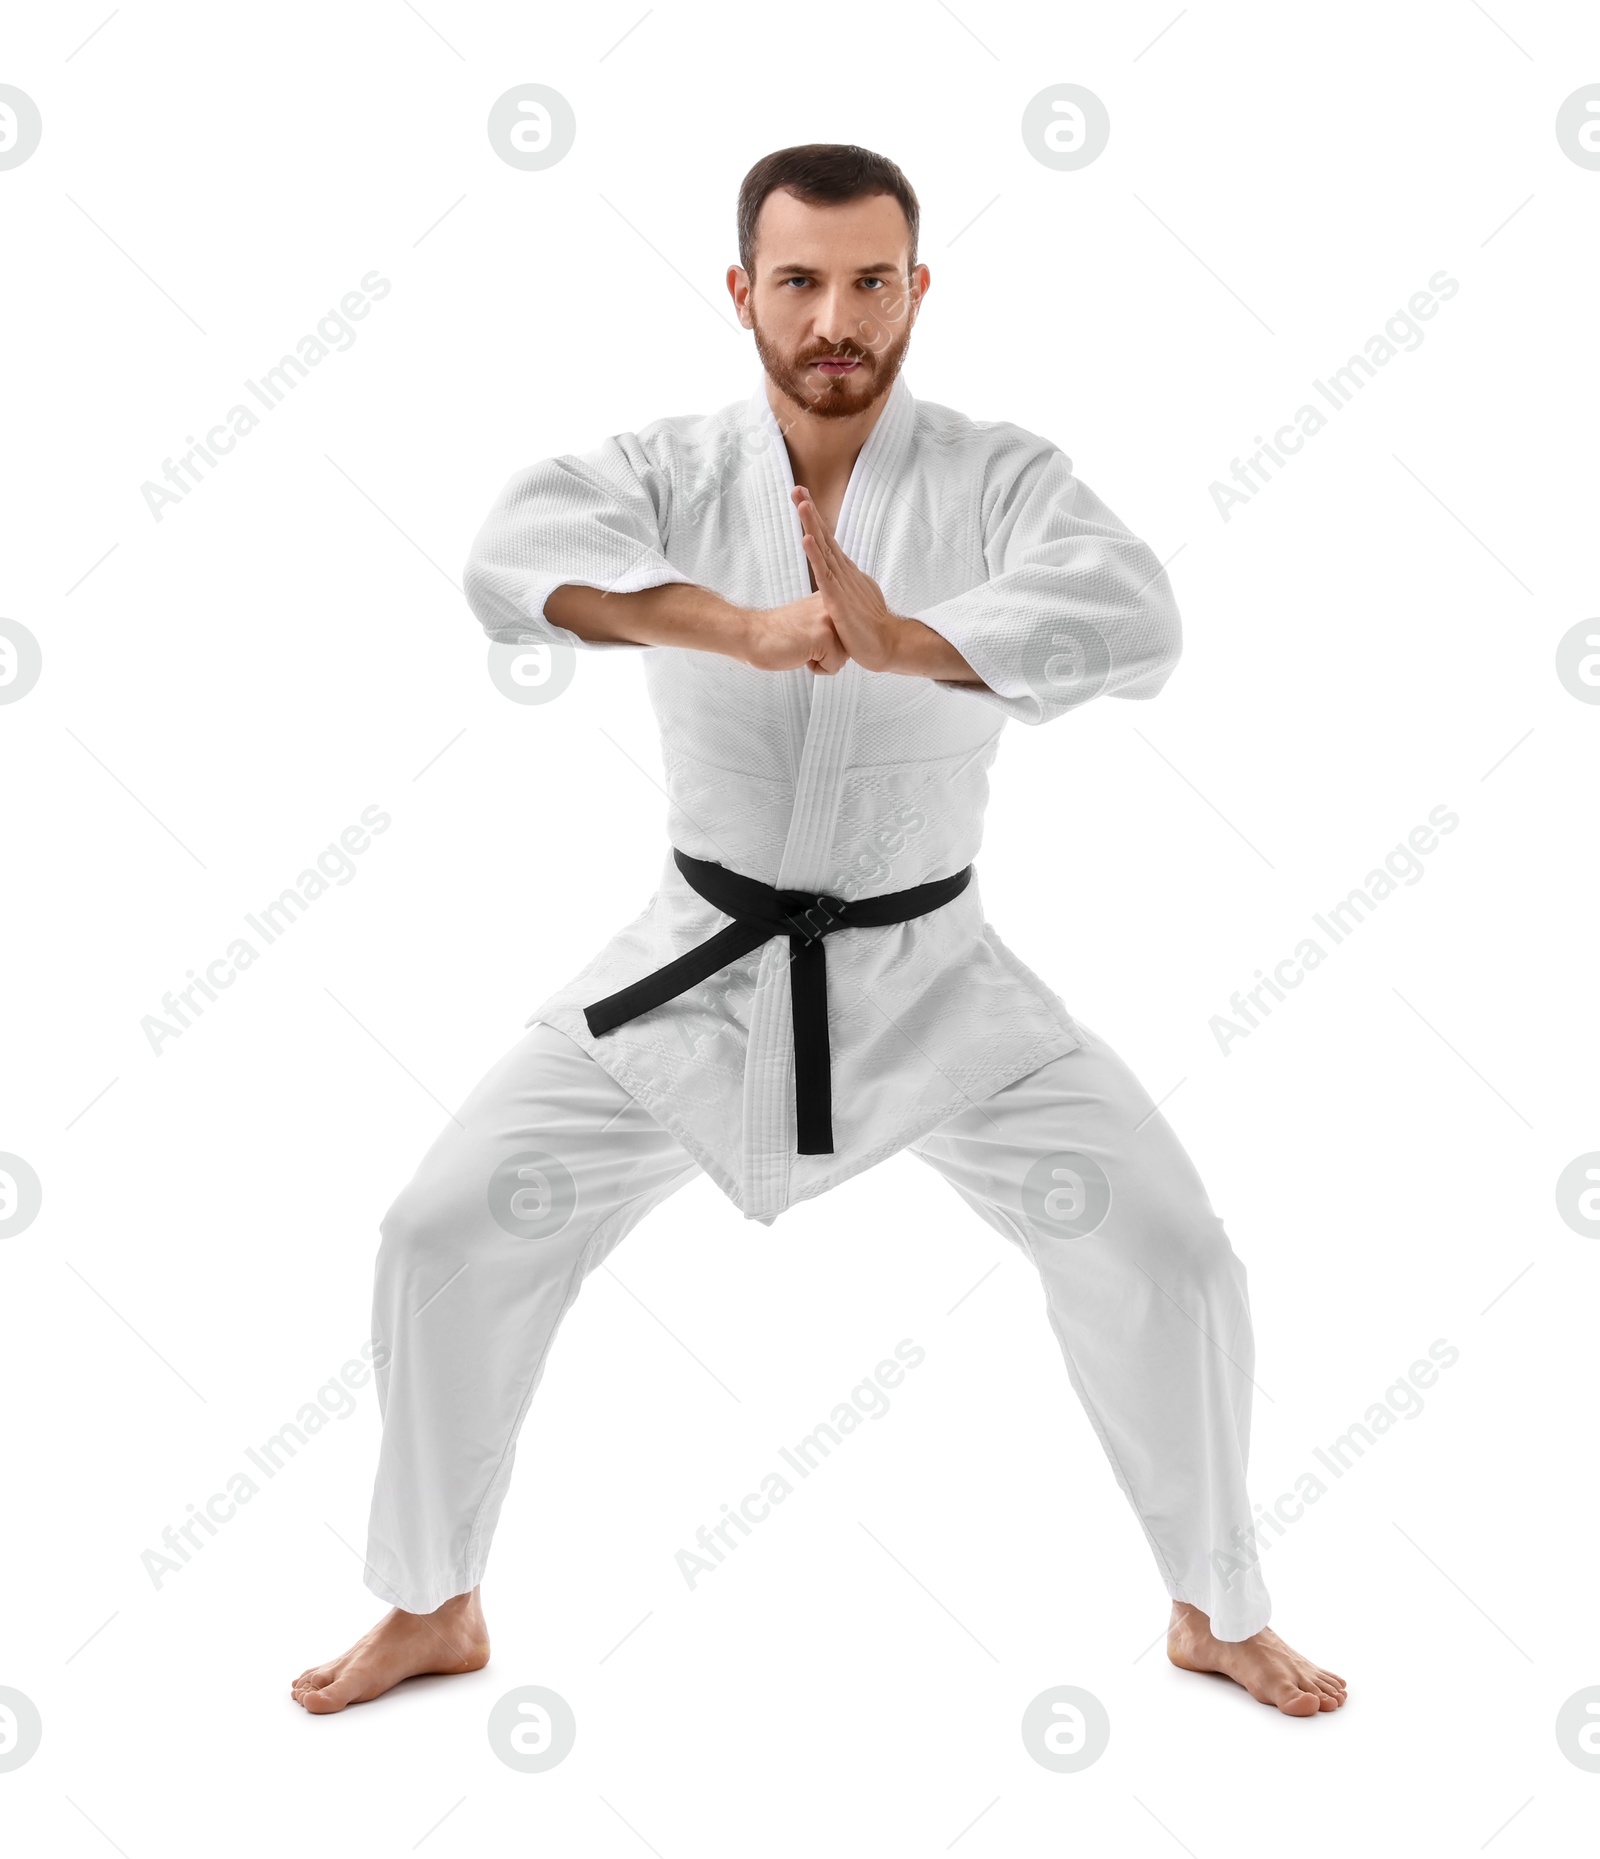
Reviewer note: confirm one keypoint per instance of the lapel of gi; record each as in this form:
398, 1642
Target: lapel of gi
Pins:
825, 750
821, 723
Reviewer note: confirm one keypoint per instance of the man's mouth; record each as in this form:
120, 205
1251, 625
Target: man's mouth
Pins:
835, 365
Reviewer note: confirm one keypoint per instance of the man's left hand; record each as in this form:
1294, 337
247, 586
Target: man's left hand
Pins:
875, 638
854, 601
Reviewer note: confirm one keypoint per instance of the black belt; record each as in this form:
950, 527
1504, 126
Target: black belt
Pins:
760, 912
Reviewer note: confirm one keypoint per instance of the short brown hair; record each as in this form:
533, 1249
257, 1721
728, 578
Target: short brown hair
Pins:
820, 173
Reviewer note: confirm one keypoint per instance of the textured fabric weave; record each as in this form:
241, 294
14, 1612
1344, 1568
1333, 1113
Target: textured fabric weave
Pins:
856, 785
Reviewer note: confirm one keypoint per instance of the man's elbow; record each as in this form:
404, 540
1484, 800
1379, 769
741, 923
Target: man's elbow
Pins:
492, 594
1156, 640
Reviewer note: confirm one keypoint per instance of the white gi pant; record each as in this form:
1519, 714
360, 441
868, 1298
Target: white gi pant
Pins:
1150, 1308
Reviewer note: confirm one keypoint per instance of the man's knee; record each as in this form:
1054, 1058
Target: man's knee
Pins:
428, 1220
453, 1213
1195, 1255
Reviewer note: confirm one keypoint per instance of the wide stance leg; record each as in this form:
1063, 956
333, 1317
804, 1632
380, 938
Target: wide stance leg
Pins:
544, 1169
1074, 1164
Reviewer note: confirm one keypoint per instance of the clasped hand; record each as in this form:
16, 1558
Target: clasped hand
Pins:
847, 617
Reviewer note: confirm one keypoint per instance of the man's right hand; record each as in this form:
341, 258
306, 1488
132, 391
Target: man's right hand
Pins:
781, 638
697, 620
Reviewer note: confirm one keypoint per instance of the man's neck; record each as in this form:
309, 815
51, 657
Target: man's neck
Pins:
822, 452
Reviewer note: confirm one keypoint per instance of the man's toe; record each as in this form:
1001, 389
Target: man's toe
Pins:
334, 1696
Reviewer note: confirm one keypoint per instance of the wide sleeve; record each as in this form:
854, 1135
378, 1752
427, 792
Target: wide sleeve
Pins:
594, 518
1074, 606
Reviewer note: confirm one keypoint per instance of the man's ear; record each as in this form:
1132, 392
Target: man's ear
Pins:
739, 291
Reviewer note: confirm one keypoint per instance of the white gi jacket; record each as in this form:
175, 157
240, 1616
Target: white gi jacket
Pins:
851, 785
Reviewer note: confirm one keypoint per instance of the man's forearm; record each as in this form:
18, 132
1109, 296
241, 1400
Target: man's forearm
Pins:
676, 614
696, 619
917, 651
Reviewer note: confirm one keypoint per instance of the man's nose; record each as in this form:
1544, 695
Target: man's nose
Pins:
838, 317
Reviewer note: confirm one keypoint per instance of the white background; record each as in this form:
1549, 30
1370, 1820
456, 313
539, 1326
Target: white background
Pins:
224, 691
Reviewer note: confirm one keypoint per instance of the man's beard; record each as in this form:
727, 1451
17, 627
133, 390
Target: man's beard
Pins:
841, 396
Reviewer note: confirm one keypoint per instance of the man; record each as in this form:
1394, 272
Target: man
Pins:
841, 594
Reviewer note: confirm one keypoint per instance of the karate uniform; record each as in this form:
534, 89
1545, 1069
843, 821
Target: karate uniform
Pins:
859, 786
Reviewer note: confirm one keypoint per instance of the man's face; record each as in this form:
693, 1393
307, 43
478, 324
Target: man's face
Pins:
833, 303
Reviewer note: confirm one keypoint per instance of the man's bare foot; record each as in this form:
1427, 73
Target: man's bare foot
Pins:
453, 1638
1268, 1669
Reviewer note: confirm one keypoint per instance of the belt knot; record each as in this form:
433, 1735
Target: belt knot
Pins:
760, 912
